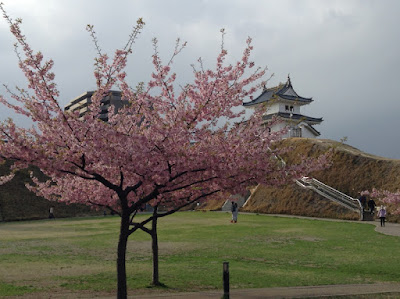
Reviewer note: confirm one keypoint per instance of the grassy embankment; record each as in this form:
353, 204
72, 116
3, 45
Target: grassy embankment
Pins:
351, 171
18, 203
77, 256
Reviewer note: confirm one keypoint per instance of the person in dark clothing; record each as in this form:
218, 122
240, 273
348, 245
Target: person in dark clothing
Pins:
51, 213
363, 201
235, 212
371, 205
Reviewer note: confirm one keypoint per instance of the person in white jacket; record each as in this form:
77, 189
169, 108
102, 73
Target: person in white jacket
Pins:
382, 215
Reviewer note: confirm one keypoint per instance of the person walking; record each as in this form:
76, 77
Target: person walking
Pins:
235, 211
371, 205
382, 215
51, 213
363, 201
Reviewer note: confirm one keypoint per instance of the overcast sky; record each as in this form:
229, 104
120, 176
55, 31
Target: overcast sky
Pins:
343, 54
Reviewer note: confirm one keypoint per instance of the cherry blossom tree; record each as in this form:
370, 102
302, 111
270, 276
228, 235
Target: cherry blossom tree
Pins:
6, 178
165, 147
385, 197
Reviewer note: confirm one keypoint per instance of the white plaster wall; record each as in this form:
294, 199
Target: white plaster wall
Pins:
279, 127
296, 108
273, 108
307, 133
281, 107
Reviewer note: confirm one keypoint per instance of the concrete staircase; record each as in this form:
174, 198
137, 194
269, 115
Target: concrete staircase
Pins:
318, 187
367, 216
238, 198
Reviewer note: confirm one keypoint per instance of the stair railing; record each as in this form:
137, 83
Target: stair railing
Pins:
332, 194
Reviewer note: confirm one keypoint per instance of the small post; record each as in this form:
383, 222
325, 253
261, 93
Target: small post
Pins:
225, 278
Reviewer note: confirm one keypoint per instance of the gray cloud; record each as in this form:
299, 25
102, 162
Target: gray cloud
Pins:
344, 54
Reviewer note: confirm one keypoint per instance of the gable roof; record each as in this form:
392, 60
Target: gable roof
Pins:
283, 91
310, 128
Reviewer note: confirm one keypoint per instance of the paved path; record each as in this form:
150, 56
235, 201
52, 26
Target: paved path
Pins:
291, 292
392, 229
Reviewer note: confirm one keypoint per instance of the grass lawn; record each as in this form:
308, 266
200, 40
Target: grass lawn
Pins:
78, 255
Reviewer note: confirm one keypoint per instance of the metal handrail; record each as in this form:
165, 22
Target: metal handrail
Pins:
337, 194
332, 194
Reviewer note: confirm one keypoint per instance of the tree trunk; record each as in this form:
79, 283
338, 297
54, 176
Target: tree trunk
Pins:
154, 247
121, 257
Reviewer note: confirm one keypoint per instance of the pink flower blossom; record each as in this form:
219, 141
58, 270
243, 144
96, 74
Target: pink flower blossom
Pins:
164, 147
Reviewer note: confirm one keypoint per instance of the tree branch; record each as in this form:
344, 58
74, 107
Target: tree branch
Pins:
104, 206
186, 204
190, 184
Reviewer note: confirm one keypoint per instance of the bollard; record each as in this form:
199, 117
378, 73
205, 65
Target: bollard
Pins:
225, 277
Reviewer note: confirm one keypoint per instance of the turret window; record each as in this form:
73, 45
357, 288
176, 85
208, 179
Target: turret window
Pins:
287, 108
295, 132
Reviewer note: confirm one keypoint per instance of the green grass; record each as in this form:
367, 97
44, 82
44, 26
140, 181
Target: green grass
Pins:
12, 290
78, 255
367, 296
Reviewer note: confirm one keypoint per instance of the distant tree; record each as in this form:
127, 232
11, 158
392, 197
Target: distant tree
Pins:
165, 147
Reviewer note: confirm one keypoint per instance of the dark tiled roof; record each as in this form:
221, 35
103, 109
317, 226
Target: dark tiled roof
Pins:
284, 91
293, 116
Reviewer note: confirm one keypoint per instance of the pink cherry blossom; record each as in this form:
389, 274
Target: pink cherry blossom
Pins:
6, 178
385, 197
163, 148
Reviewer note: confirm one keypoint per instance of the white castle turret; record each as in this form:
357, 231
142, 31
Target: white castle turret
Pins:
284, 103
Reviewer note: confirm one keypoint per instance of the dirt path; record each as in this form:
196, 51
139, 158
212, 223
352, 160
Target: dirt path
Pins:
291, 292
288, 292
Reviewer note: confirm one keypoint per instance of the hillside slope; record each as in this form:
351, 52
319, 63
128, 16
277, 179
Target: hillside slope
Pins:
18, 203
352, 171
